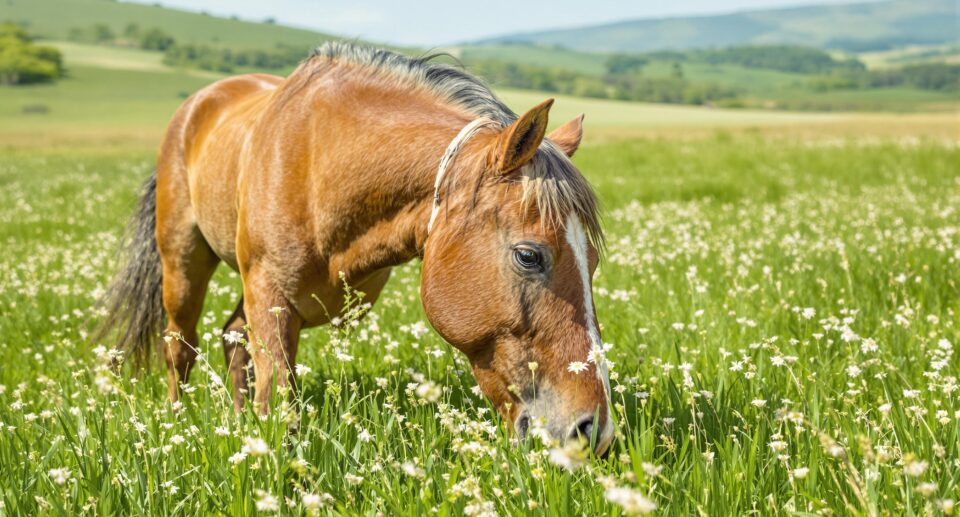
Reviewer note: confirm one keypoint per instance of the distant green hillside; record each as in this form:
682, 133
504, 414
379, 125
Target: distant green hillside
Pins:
54, 19
853, 27
769, 77
537, 55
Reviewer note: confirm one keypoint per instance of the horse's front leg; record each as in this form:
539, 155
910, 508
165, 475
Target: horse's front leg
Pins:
274, 329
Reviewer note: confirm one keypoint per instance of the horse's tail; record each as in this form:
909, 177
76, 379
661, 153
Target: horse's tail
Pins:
134, 301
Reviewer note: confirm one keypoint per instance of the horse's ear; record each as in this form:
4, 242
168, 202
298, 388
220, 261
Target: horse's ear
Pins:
567, 137
519, 142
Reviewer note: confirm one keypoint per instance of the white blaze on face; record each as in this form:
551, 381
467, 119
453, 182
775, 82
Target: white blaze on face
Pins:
577, 238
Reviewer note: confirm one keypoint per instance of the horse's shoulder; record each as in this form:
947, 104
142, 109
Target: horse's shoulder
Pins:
211, 105
226, 92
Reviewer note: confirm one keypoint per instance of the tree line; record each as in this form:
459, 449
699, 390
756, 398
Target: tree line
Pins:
942, 77
783, 58
622, 85
227, 60
205, 57
133, 35
829, 72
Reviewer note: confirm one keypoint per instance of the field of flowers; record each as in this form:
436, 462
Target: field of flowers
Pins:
784, 319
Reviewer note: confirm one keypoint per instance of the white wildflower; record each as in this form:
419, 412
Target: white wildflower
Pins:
233, 337
651, 470
364, 436
914, 467
266, 502
570, 457
59, 476
237, 458
255, 447
429, 391
632, 501
778, 445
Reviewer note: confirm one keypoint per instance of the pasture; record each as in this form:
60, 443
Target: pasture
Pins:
783, 319
780, 291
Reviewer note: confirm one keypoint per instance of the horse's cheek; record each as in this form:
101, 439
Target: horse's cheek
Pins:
460, 306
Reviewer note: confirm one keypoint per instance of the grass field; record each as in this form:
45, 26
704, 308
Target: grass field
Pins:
783, 317
780, 290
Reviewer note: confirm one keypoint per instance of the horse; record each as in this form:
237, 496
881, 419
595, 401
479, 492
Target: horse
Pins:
361, 160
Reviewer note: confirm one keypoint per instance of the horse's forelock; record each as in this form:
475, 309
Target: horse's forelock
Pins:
554, 186
550, 184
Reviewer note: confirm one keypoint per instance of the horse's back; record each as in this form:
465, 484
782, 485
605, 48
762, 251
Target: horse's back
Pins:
199, 161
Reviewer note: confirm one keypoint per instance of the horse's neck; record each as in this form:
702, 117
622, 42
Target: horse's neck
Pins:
389, 234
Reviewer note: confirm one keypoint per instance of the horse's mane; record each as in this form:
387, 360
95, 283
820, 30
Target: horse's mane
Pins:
550, 180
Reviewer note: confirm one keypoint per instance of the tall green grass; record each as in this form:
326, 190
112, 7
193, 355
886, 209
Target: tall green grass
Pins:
784, 319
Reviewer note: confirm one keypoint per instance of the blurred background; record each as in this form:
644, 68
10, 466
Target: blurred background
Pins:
109, 73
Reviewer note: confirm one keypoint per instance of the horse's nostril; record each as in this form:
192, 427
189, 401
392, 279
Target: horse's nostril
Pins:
522, 425
583, 429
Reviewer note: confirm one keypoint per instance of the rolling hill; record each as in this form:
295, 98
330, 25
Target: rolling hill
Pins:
854, 27
54, 19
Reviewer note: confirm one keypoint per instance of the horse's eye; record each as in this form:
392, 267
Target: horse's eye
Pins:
527, 258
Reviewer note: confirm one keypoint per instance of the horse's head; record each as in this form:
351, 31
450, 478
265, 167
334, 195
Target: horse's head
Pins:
507, 274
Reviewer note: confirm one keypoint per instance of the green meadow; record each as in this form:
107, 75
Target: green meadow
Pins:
780, 293
783, 321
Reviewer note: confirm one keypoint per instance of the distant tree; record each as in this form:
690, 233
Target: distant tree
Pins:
676, 70
22, 62
622, 86
925, 76
156, 39
13, 30
666, 55
199, 56
786, 58
132, 32
76, 34
625, 63
933, 76
103, 33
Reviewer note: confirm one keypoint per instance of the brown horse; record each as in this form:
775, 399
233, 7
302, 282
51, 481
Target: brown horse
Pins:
331, 175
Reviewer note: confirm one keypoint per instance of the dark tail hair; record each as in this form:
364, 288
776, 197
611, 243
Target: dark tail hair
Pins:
134, 300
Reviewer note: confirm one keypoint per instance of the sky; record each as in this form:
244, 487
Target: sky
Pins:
442, 22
